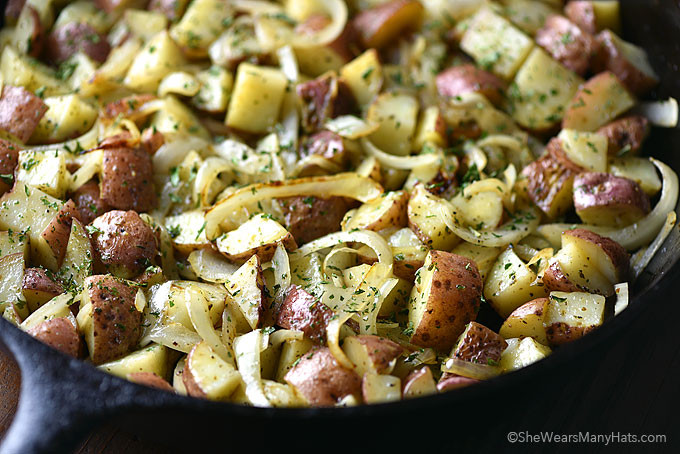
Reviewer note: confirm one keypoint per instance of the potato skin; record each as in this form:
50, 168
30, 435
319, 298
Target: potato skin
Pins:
58, 231
610, 58
380, 350
301, 311
9, 159
625, 133
379, 26
467, 78
449, 382
567, 43
326, 144
38, 286
20, 111
480, 345
309, 218
561, 333
89, 202
341, 44
616, 253
126, 107
152, 140
555, 280
324, 98
125, 244
453, 301
582, 14
321, 380
150, 379
67, 40
115, 318
127, 179
59, 333
13, 10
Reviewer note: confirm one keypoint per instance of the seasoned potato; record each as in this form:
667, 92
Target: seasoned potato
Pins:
108, 317
382, 24
301, 311
115, 6
467, 78
201, 24
529, 15
567, 43
216, 85
317, 60
585, 149
526, 321
371, 354
478, 344
597, 102
396, 115
89, 202
418, 383
208, 376
152, 359
380, 388
386, 211
79, 258
44, 170
74, 37
445, 298
172, 9
127, 107
188, 231
59, 333
324, 98
9, 158
291, 352
625, 135
571, 315
258, 236
20, 70
309, 218
364, 75
603, 199
431, 128
640, 170
321, 381
29, 33
522, 352
39, 286
57, 232
594, 15
67, 117
450, 382
125, 244
20, 111
150, 379
328, 145
484, 257
159, 57
246, 286
608, 256
127, 179
431, 230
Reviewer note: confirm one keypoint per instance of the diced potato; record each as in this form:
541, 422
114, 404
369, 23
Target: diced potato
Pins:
526, 321
256, 100
176, 117
12, 242
382, 24
426, 223
396, 116
496, 44
158, 58
371, 354
431, 129
571, 315
291, 352
11, 277
259, 235
179, 83
202, 23
68, 116
607, 15
189, 227
386, 211
380, 388
206, 375
640, 170
153, 358
19, 70
364, 75
528, 15
216, 85
78, 260
246, 287
83, 69
484, 257
86, 12
541, 91
44, 170
588, 150
144, 24
419, 383
522, 352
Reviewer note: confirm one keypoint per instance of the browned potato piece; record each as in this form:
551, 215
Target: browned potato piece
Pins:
371, 354
324, 98
550, 180
627, 61
556, 280
326, 144
567, 43
389, 210
625, 135
527, 321
449, 382
418, 383
29, 32
320, 380
9, 158
172, 9
89, 202
74, 37
444, 300
150, 379
20, 111
57, 232
59, 333
13, 10
467, 78
609, 257
116, 321
582, 14
309, 218
125, 244
569, 316
38, 287
128, 107
603, 199
379, 26
127, 179
478, 344
301, 311
152, 140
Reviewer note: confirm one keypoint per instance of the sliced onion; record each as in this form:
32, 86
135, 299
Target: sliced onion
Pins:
641, 262
175, 336
288, 63
337, 11
635, 235
90, 165
350, 127
179, 83
470, 370
339, 259
254, 7
349, 185
211, 266
400, 162
247, 349
622, 297
173, 153
501, 140
281, 266
663, 114
283, 335
208, 172
372, 239
368, 323
87, 141
197, 307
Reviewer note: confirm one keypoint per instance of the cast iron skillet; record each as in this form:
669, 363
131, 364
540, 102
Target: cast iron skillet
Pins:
62, 398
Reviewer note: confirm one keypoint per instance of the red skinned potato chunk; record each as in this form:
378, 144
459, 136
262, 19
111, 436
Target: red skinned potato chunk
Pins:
625, 135
20, 111
38, 287
309, 218
127, 179
301, 311
321, 380
555, 280
125, 244
603, 199
324, 98
152, 140
89, 202
13, 10
9, 158
127, 107
116, 321
381, 25
582, 14
326, 144
467, 78
150, 379
567, 43
74, 37
478, 344
172, 9
57, 232
449, 382
59, 333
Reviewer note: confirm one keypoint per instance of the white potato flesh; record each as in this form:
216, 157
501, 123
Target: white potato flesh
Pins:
11, 278
190, 227
79, 258
258, 232
640, 170
364, 75
216, 378
153, 358
68, 116
159, 57
575, 309
380, 388
396, 116
587, 149
521, 353
44, 170
246, 288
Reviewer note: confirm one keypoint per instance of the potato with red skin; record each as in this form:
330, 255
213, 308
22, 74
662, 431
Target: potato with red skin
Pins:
555, 280
9, 159
372, 354
309, 218
114, 6
625, 134
127, 179
467, 78
604, 199
59, 333
152, 140
478, 344
449, 382
337, 51
172, 9
20, 111
445, 298
567, 43
116, 322
125, 244
321, 381
419, 382
301, 311
89, 202
13, 10
328, 145
527, 320
582, 14
127, 107
150, 379
38, 287
324, 98
384, 24
58, 231
74, 37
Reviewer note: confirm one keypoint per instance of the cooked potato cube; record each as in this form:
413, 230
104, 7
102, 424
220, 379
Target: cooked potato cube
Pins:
478, 344
291, 352
386, 211
38, 287
257, 236
364, 75
382, 24
176, 117
79, 257
526, 321
44, 170
324, 98
595, 15
449, 382
76, 37
21, 71
484, 257
59, 333
426, 223
201, 24
208, 376
371, 354
528, 15
330, 57
159, 57
522, 352
189, 228
608, 256
467, 78
567, 43
300, 311
585, 149
396, 116
625, 135
431, 129
571, 315
377, 389
246, 287
12, 242
419, 383
640, 170
12, 272
216, 85
20, 111
68, 116
309, 218
151, 359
